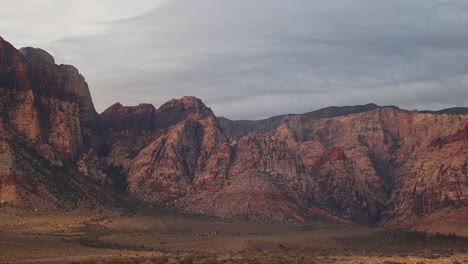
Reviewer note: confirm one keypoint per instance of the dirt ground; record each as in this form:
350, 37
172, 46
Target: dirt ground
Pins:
112, 237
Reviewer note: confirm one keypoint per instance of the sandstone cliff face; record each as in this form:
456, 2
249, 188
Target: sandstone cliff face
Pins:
258, 177
188, 159
168, 165
386, 164
48, 123
357, 163
433, 175
66, 114
127, 131
367, 164
49, 104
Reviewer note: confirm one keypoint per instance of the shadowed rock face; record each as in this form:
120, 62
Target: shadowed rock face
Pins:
49, 104
48, 123
366, 164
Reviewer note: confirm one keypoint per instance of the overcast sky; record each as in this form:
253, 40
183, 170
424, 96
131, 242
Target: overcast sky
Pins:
250, 59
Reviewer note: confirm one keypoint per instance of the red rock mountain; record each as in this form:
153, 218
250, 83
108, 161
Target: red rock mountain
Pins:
49, 131
366, 164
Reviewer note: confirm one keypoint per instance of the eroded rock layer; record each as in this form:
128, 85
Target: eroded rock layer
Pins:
366, 164
47, 127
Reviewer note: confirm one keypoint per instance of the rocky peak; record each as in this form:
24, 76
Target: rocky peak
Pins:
118, 107
448, 111
63, 82
50, 104
12, 68
37, 56
334, 111
139, 118
50, 123
190, 104
187, 108
240, 128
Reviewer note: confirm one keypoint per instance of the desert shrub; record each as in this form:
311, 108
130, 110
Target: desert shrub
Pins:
187, 260
161, 260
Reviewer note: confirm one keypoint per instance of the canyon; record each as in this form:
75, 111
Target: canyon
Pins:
368, 164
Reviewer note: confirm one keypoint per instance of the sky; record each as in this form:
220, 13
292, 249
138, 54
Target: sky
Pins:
251, 59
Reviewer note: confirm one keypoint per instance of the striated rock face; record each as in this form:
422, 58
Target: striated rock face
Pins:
257, 177
48, 122
188, 159
431, 177
187, 108
168, 165
135, 121
358, 163
367, 164
49, 104
386, 164
66, 115
127, 130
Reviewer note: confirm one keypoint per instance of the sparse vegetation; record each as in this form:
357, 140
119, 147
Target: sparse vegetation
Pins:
109, 237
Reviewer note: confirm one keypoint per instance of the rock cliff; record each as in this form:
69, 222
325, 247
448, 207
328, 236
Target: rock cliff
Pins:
48, 123
382, 164
367, 164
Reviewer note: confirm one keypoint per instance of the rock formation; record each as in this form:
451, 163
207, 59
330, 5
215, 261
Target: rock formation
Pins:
383, 164
367, 164
48, 123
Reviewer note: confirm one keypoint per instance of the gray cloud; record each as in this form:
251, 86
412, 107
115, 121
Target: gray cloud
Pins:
253, 59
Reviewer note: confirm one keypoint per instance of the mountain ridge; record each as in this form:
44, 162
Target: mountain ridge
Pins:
367, 164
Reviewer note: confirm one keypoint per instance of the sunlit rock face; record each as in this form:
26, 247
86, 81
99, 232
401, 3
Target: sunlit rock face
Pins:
382, 164
48, 125
366, 164
47, 103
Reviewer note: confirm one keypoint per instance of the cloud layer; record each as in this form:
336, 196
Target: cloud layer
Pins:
253, 59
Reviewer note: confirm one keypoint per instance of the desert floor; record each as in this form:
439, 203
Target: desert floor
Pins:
164, 237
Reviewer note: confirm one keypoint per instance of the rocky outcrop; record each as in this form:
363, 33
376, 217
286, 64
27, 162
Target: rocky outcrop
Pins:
383, 164
134, 122
49, 104
189, 160
431, 177
258, 177
66, 115
348, 163
48, 122
168, 165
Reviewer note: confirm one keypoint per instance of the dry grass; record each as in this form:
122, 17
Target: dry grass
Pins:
108, 237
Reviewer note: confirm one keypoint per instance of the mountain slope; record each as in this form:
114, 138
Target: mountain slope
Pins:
366, 164
360, 163
49, 131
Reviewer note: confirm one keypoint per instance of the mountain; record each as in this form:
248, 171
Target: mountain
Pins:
366, 164
49, 132
383, 164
